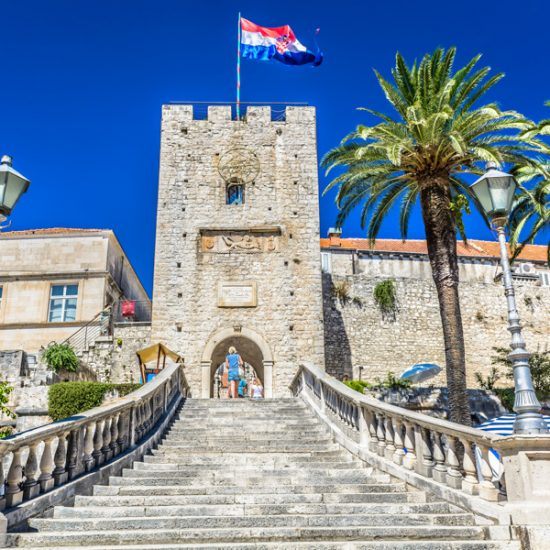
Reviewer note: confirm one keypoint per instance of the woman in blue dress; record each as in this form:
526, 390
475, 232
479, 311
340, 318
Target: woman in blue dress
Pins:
233, 363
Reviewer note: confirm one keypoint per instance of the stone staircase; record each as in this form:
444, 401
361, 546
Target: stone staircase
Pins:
254, 474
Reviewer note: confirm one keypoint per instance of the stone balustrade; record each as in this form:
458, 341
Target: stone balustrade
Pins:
38, 461
450, 459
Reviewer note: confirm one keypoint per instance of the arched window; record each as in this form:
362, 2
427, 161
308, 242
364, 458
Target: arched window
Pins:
234, 192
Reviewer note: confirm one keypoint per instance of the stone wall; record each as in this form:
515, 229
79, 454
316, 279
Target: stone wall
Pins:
269, 244
358, 335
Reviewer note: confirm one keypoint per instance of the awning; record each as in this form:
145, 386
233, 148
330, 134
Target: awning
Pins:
157, 353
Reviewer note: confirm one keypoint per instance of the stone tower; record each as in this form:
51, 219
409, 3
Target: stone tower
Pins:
237, 257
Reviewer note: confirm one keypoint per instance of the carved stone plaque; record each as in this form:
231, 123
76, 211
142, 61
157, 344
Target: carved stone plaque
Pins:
239, 241
237, 294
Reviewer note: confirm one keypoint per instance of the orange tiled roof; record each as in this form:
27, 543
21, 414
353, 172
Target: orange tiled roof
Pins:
474, 248
48, 231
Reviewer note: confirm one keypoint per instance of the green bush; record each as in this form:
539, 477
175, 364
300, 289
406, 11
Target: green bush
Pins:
393, 383
385, 296
70, 398
506, 396
60, 357
357, 385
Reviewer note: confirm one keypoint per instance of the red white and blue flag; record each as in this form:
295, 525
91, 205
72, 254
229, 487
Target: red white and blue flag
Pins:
279, 43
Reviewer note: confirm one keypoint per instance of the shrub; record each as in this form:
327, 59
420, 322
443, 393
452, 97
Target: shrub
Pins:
5, 390
489, 382
69, 398
539, 363
393, 383
506, 396
357, 385
385, 297
60, 357
6, 431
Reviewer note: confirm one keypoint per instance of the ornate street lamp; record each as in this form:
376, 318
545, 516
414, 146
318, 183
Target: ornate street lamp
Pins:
12, 186
495, 191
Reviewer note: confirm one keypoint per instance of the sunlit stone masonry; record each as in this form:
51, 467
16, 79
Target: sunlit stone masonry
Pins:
237, 246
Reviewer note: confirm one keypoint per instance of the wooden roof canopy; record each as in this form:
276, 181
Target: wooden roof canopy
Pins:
158, 353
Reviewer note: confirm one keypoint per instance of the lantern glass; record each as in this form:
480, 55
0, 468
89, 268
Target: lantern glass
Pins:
12, 186
495, 191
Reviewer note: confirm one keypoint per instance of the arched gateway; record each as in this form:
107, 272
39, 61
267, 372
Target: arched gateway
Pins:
253, 349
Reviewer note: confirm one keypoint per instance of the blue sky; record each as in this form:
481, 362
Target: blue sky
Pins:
83, 83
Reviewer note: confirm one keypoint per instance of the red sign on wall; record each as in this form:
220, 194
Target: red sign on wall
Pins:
128, 308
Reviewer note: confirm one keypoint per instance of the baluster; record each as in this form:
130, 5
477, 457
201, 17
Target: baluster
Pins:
132, 426
106, 450
454, 475
60, 474
14, 494
323, 403
362, 426
98, 443
46, 479
424, 466
409, 461
398, 441
88, 446
390, 447
439, 472
487, 490
114, 435
373, 441
470, 483
31, 488
380, 434
121, 440
72, 453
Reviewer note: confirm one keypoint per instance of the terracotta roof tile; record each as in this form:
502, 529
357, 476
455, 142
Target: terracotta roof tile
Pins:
474, 248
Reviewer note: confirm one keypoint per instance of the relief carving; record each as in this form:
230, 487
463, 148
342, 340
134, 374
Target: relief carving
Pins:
221, 242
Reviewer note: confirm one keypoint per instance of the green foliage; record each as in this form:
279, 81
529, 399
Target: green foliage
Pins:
69, 398
358, 385
6, 431
60, 357
5, 391
458, 205
438, 132
385, 296
539, 363
392, 382
506, 396
489, 382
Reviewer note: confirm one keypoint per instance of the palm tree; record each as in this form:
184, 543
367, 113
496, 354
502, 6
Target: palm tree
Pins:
530, 214
438, 134
531, 210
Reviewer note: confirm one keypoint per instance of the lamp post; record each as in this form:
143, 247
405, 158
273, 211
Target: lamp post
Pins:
12, 186
495, 191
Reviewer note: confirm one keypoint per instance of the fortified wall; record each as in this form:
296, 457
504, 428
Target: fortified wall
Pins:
361, 341
237, 249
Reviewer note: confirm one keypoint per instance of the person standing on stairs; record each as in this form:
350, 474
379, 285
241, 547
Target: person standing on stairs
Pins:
233, 363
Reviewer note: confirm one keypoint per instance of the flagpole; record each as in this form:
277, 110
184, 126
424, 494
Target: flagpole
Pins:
239, 70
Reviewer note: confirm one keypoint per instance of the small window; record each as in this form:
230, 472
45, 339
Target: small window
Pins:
326, 264
234, 193
544, 280
63, 303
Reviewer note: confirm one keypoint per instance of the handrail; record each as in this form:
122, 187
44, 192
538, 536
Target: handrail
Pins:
49, 456
88, 334
451, 454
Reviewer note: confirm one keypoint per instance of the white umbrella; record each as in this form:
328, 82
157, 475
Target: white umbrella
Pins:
420, 372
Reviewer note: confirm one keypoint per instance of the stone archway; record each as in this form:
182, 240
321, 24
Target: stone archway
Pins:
253, 349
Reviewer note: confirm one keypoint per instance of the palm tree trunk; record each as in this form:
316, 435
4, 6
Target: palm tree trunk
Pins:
435, 199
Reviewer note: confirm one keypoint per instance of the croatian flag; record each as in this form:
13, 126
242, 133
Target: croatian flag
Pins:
280, 43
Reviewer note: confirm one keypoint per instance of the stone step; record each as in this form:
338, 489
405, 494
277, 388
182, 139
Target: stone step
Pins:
122, 496
122, 508
249, 447
116, 522
347, 475
240, 535
261, 466
178, 455
124, 486
317, 545
244, 439
246, 429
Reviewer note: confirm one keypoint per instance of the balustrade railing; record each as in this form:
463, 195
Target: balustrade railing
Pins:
448, 453
37, 461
